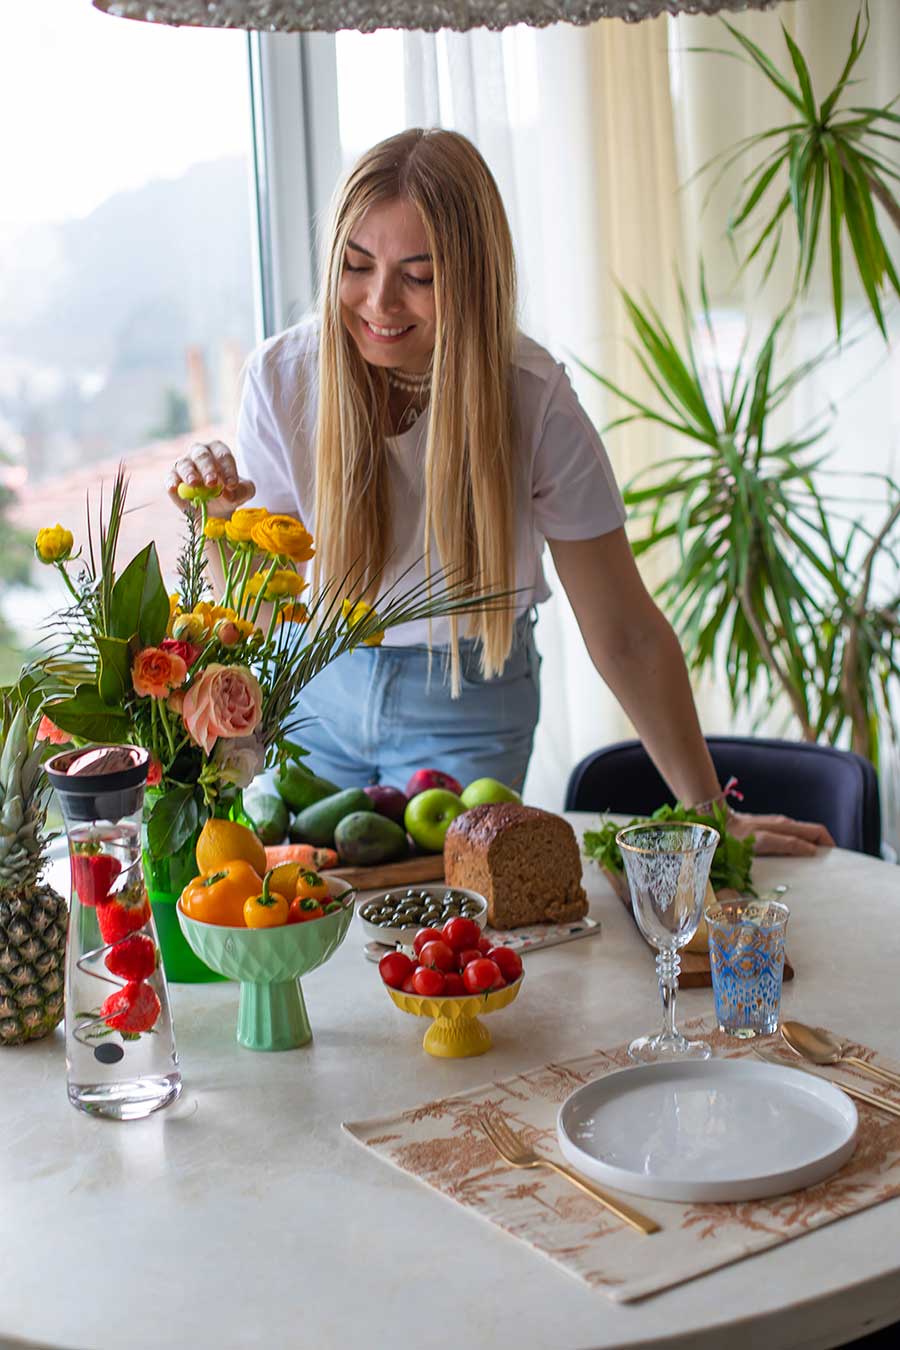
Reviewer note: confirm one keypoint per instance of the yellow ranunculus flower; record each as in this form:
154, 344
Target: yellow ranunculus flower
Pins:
240, 527
188, 628
282, 583
283, 537
210, 615
214, 528
174, 611
53, 543
293, 614
355, 613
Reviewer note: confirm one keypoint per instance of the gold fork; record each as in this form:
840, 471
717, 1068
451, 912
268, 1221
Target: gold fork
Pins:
515, 1152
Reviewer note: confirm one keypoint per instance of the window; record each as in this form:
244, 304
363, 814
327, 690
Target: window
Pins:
127, 299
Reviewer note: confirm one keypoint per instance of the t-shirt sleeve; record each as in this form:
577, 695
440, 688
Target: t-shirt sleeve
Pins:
260, 452
574, 491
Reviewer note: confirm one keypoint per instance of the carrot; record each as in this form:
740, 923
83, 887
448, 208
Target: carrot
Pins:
308, 855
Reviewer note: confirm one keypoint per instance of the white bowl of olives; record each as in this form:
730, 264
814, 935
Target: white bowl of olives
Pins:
394, 917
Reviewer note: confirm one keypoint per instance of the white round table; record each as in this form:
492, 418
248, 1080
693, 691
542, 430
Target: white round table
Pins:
244, 1216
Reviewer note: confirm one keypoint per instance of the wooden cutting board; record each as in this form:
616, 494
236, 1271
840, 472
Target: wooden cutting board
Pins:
695, 971
382, 876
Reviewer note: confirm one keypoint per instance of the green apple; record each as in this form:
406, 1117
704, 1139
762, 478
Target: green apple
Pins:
428, 815
487, 790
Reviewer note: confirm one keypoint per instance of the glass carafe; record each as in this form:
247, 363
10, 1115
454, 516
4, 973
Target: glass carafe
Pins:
121, 1059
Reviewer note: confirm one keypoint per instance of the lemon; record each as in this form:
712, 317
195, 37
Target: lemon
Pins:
225, 841
283, 880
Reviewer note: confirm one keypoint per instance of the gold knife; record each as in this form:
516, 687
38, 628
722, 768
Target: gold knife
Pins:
857, 1093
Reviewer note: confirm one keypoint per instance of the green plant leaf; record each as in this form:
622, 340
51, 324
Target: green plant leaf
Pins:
173, 819
114, 674
803, 76
856, 49
139, 602
768, 68
86, 715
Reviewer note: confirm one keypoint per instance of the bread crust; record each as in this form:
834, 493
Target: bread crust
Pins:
524, 861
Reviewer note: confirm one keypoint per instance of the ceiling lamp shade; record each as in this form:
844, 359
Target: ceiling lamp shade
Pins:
329, 16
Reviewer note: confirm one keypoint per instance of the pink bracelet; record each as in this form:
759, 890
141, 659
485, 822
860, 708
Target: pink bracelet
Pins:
729, 790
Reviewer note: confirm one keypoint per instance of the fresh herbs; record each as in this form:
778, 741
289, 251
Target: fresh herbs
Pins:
732, 860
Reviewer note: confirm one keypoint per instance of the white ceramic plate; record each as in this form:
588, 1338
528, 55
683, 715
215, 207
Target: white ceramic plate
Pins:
391, 937
716, 1129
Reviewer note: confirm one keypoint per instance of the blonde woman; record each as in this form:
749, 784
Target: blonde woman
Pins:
411, 424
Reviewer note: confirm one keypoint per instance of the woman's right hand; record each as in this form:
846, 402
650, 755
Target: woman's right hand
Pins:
210, 465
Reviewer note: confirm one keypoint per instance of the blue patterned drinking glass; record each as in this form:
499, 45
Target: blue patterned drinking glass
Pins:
746, 957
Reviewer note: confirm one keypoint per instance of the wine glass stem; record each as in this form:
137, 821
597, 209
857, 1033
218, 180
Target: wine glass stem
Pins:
668, 964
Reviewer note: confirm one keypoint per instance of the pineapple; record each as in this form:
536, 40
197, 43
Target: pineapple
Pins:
33, 916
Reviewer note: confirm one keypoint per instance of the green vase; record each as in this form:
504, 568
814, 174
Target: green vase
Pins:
165, 879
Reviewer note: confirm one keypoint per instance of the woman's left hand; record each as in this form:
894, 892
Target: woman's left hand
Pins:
780, 834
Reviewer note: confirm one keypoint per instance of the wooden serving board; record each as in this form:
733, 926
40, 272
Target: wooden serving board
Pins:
695, 971
382, 876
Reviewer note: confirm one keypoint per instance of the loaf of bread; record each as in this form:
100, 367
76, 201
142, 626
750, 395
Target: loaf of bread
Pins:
525, 862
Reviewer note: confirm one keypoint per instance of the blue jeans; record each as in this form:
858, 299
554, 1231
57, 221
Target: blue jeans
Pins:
373, 718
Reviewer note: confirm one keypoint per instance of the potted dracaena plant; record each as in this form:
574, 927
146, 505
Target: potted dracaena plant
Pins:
770, 574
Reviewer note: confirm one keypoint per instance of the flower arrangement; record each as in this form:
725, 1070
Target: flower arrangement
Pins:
206, 684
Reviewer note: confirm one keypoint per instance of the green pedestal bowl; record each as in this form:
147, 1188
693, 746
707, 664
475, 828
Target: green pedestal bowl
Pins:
268, 962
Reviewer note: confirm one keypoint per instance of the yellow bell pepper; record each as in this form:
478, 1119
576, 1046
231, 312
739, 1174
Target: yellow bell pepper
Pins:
266, 910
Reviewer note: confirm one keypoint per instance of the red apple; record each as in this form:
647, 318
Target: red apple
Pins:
423, 779
388, 801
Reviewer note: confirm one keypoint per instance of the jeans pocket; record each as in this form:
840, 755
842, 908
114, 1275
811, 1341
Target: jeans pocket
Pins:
523, 660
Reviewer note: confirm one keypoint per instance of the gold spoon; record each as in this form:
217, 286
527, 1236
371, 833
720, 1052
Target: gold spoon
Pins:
819, 1046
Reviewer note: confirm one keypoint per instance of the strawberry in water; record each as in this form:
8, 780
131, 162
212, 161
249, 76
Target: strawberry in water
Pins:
93, 874
134, 958
125, 914
133, 1009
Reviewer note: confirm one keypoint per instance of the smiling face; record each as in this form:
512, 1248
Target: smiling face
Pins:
387, 288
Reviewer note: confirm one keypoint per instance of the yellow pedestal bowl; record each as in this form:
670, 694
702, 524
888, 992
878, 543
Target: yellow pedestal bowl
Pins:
456, 1032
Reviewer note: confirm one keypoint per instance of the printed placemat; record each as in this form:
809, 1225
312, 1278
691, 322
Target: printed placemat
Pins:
442, 1144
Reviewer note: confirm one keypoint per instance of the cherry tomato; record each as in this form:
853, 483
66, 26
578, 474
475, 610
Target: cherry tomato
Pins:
394, 969
510, 962
453, 984
461, 933
479, 976
426, 935
408, 987
437, 955
304, 909
473, 954
484, 945
428, 982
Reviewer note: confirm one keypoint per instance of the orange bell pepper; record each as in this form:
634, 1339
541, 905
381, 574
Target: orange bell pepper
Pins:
220, 897
310, 886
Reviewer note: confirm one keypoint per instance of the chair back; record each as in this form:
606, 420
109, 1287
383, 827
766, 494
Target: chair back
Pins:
792, 778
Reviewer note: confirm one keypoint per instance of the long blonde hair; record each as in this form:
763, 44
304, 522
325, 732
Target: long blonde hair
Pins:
469, 463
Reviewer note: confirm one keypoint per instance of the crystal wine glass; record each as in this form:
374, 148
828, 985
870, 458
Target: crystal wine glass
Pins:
667, 865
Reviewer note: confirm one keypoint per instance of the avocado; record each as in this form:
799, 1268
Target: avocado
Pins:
366, 837
268, 814
317, 823
300, 787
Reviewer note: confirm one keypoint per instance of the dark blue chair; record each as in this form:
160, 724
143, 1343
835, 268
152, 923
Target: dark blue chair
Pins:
794, 778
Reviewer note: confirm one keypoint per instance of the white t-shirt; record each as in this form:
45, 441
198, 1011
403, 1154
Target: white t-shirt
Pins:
565, 489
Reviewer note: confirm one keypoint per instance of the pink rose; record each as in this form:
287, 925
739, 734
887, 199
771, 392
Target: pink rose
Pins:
175, 702
223, 701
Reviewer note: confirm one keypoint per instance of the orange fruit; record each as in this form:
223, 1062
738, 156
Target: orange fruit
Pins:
225, 841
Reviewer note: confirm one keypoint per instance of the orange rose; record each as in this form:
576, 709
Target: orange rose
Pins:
156, 673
